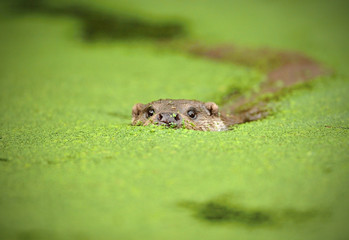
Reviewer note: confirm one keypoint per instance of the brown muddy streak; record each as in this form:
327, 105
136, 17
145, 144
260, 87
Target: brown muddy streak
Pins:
283, 69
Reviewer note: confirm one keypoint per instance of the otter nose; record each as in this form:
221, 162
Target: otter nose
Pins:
169, 118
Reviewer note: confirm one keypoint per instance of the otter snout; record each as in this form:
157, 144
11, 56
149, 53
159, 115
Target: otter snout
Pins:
169, 119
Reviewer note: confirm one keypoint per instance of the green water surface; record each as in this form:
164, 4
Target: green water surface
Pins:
72, 167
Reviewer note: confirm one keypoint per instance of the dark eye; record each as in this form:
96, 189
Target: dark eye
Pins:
191, 114
150, 112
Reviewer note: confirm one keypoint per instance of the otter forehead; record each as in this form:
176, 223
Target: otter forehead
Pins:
173, 105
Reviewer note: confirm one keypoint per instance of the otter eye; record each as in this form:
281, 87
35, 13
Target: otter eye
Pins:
150, 112
191, 114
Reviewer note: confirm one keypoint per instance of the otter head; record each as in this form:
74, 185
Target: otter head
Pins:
180, 113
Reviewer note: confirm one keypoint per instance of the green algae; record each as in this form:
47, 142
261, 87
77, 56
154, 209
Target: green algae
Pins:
76, 169
97, 25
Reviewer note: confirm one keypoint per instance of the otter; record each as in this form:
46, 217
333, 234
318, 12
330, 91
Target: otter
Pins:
287, 67
181, 113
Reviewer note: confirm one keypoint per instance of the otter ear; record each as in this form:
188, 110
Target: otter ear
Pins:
212, 108
136, 110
